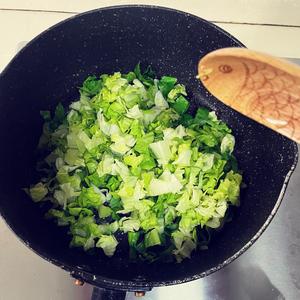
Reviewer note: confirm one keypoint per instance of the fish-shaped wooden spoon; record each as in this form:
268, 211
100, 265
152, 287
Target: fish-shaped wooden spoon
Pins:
260, 86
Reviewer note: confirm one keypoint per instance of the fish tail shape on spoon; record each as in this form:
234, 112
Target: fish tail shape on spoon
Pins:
260, 86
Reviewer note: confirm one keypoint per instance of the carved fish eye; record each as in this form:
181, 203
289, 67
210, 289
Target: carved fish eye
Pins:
205, 77
204, 72
225, 68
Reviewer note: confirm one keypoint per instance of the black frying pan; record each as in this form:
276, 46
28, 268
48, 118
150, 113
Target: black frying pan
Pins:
49, 70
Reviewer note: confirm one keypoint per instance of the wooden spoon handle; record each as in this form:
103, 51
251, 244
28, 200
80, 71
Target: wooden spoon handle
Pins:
260, 86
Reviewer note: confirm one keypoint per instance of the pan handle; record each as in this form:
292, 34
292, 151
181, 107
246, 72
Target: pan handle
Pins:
106, 294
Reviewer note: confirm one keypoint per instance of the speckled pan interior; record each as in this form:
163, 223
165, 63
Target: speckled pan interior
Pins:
51, 67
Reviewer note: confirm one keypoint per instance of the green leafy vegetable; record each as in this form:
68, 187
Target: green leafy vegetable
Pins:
181, 105
166, 84
127, 159
91, 86
108, 243
38, 192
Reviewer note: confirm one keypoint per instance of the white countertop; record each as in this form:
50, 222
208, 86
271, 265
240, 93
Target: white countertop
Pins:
272, 26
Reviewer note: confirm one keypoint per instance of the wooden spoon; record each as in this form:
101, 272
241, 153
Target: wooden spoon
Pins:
260, 86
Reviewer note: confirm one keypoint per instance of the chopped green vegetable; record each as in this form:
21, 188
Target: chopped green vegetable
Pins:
152, 238
166, 84
38, 192
91, 86
108, 243
127, 159
227, 144
181, 105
